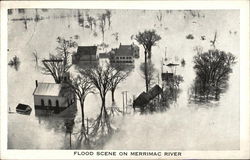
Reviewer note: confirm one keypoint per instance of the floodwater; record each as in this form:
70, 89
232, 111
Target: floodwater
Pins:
185, 126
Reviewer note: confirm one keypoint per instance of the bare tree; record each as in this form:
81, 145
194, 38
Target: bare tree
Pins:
63, 50
54, 67
147, 39
108, 15
82, 86
118, 76
102, 24
101, 78
58, 65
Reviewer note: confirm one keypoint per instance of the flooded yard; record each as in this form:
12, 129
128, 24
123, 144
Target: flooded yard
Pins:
186, 125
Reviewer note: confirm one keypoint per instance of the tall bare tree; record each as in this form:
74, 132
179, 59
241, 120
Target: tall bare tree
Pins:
102, 24
118, 76
57, 65
147, 39
64, 50
82, 86
54, 67
101, 78
108, 15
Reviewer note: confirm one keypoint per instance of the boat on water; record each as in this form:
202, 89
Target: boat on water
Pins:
23, 109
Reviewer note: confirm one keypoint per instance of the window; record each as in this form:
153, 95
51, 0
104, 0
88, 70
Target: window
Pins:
42, 102
57, 103
49, 102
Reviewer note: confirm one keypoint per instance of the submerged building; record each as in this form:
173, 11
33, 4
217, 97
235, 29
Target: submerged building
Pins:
54, 97
144, 98
85, 55
124, 55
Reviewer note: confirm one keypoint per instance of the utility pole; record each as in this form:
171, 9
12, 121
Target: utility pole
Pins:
126, 101
165, 53
123, 103
124, 93
87, 126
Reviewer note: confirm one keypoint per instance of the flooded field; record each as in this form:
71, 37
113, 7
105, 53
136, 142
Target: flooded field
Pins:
186, 125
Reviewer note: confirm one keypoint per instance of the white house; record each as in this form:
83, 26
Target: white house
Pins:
53, 97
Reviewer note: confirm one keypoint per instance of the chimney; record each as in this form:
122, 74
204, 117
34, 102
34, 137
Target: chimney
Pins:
36, 83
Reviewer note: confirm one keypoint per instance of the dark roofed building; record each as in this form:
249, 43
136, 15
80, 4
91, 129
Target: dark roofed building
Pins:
85, 55
141, 100
144, 98
167, 76
103, 55
124, 55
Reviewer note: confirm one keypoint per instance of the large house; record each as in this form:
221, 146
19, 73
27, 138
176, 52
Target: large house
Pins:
124, 55
54, 97
85, 55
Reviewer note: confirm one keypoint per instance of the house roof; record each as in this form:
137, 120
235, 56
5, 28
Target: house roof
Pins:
22, 106
155, 91
141, 100
103, 55
86, 50
124, 50
167, 76
144, 98
48, 89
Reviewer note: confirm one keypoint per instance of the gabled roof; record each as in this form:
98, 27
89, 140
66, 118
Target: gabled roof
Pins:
141, 100
144, 98
155, 91
48, 89
86, 50
167, 76
124, 50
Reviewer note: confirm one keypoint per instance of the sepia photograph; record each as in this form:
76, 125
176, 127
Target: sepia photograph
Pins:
105, 79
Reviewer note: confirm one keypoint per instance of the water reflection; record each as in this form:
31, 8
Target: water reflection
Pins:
62, 122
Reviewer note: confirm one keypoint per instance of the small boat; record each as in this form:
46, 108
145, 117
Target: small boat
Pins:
23, 109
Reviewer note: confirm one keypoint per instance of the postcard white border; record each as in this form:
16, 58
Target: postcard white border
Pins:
243, 6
